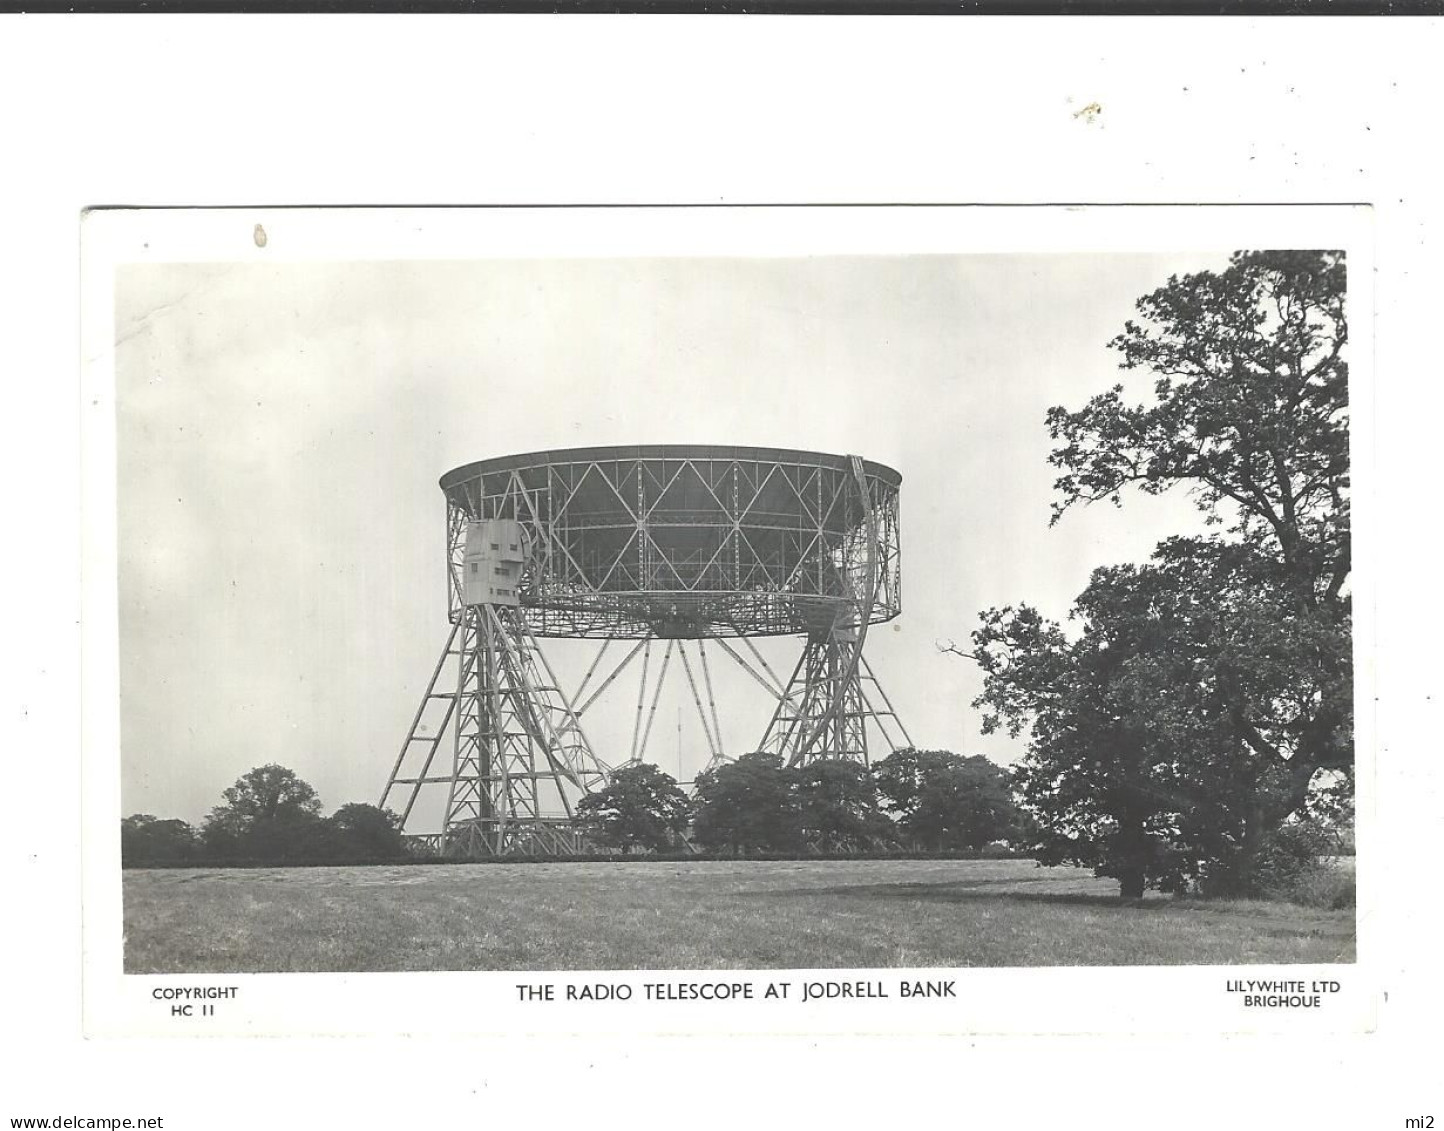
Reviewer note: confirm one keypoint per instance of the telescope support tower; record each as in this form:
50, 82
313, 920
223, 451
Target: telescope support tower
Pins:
517, 744
825, 709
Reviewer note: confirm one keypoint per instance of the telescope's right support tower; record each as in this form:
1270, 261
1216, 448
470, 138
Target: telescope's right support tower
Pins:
828, 703
824, 708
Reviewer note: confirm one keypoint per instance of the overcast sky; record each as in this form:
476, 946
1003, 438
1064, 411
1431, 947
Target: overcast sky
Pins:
281, 430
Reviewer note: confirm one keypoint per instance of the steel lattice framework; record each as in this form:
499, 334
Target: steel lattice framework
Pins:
665, 549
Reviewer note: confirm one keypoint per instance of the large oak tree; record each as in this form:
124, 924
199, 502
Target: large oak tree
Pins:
1199, 697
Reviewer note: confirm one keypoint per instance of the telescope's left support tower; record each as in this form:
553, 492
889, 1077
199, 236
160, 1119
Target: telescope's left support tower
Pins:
520, 758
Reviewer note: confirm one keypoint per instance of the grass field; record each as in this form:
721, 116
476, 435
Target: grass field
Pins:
693, 915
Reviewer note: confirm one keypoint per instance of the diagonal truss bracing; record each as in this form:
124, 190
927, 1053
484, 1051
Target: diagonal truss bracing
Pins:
620, 544
520, 757
694, 546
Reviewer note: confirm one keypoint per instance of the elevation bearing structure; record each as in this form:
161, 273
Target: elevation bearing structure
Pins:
660, 552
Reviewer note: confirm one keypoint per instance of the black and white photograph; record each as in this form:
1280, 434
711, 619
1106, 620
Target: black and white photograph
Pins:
737, 570
778, 611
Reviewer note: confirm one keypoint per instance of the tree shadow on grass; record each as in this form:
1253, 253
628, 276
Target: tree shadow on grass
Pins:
988, 891
975, 891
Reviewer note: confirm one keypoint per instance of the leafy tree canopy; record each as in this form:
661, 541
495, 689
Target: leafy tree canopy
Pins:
146, 840
1250, 411
947, 801
837, 804
641, 806
748, 805
366, 832
267, 793
269, 814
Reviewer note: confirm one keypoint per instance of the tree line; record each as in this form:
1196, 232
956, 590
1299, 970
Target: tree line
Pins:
913, 800
270, 816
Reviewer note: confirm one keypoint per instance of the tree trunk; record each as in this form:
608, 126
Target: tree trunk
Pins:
1255, 830
1131, 853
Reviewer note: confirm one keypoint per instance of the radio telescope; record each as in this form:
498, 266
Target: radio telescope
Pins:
657, 551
